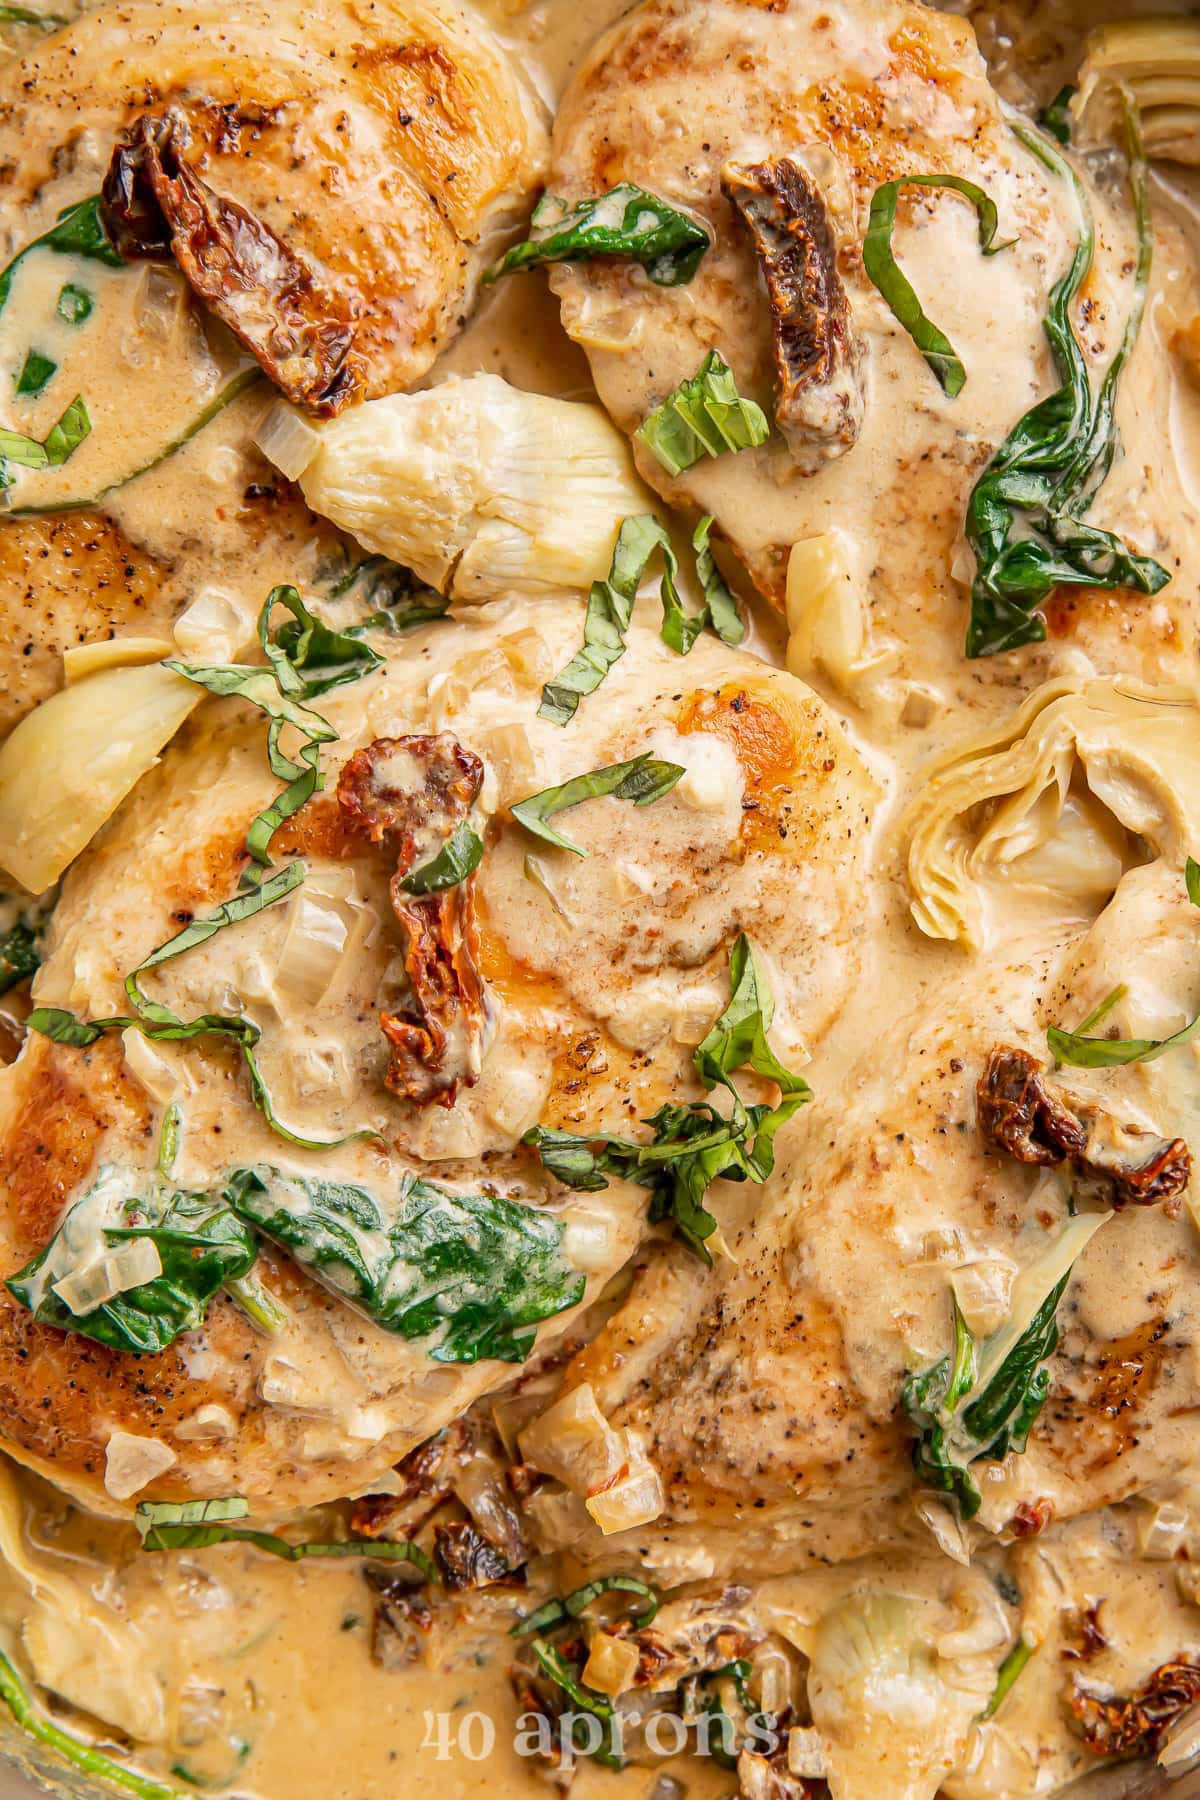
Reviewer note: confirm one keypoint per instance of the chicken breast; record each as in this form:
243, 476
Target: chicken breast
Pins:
807, 110
409, 115
768, 1391
336, 190
598, 977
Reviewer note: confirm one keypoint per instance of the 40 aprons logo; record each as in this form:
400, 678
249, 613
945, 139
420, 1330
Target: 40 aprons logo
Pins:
472, 1736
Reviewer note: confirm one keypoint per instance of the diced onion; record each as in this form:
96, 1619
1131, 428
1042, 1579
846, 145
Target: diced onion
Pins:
806, 1753
636, 1499
477, 487
69, 764
161, 1077
323, 929
611, 1665
132, 1463
949, 1532
82, 660
588, 1241
574, 1442
215, 628
132, 1265
1164, 1532
287, 440
209, 1423
982, 1290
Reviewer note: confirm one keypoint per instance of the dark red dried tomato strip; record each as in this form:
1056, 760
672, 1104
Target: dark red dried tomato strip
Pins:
819, 407
415, 790
1025, 1115
155, 207
1136, 1726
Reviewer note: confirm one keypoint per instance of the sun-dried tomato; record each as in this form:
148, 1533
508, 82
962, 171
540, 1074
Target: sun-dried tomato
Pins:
413, 791
1137, 1725
156, 207
1032, 1120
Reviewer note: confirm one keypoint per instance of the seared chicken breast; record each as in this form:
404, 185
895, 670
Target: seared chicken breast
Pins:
596, 978
807, 111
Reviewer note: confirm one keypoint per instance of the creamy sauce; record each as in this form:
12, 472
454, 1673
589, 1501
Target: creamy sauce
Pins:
257, 1678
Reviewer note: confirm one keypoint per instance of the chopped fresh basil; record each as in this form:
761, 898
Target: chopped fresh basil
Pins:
1050, 468
458, 857
981, 1401
627, 222
705, 416
19, 957
169, 1134
738, 1039
201, 1245
643, 780
160, 1024
308, 657
35, 374
89, 1761
1056, 118
470, 1273
196, 1524
304, 659
1017, 1657
693, 1144
879, 261
1084, 1052
723, 615
610, 609
563, 1612
554, 1664
74, 304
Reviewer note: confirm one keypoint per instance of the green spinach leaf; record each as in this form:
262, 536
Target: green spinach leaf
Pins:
981, 1401
74, 304
1048, 471
35, 374
78, 231
62, 440
627, 222
1056, 117
468, 1273
201, 1245
19, 958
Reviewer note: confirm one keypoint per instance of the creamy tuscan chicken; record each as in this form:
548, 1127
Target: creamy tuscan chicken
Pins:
599, 866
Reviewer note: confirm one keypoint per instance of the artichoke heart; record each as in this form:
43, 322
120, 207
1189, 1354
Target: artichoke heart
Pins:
1156, 62
999, 805
479, 488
